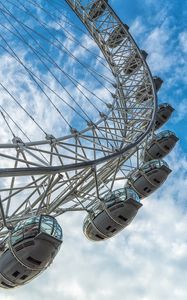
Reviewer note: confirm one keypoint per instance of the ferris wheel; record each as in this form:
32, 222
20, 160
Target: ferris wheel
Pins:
82, 127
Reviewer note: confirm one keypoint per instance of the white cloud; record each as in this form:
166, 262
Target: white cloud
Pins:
146, 261
137, 27
181, 111
160, 59
183, 41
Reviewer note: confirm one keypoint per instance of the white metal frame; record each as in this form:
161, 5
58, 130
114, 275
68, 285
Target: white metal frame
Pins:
56, 175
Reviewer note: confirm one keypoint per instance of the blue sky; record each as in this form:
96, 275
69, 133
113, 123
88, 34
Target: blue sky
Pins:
147, 261
164, 22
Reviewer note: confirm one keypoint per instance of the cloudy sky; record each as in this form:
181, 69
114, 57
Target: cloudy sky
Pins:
148, 260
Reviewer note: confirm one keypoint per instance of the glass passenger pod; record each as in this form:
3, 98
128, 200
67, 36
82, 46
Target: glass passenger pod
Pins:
149, 177
97, 9
158, 83
36, 241
144, 92
119, 209
117, 36
134, 62
160, 146
164, 112
30, 249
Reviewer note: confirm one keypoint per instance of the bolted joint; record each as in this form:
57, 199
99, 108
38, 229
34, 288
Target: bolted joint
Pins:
91, 124
50, 138
17, 141
114, 96
74, 131
109, 105
103, 115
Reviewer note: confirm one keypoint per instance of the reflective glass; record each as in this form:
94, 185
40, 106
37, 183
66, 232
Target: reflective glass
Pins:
57, 231
25, 229
132, 194
17, 236
166, 133
154, 164
164, 105
120, 195
33, 220
31, 230
50, 226
46, 224
19, 226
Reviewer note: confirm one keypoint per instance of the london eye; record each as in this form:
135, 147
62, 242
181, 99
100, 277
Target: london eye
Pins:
81, 128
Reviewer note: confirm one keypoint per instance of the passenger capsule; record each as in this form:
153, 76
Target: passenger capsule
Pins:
28, 250
134, 63
117, 36
144, 92
118, 210
160, 145
158, 83
149, 177
163, 114
97, 9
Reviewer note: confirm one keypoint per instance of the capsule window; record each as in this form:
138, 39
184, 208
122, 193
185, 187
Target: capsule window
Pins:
99, 237
116, 206
34, 261
15, 274
18, 248
151, 172
27, 244
47, 224
156, 180
122, 218
6, 284
166, 147
108, 228
23, 277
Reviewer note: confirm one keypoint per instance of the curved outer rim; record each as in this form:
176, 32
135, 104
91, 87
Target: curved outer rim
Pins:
58, 169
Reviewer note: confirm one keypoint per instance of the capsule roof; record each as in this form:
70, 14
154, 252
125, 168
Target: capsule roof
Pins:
121, 195
35, 225
155, 163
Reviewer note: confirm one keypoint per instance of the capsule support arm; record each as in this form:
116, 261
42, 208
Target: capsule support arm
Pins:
9, 227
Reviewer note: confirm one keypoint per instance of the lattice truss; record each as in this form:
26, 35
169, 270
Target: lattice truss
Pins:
69, 173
